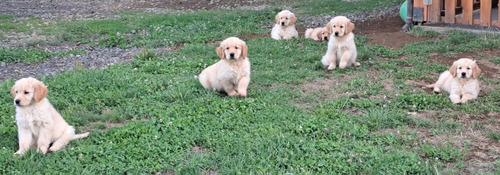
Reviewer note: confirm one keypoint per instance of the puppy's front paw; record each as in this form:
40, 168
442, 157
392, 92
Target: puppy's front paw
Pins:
463, 101
331, 67
356, 64
19, 154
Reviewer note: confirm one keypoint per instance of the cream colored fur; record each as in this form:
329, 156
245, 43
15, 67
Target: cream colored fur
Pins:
318, 34
341, 47
230, 74
285, 26
39, 124
460, 81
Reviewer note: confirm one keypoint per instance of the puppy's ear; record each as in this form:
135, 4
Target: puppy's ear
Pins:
277, 18
329, 27
220, 52
40, 91
320, 35
293, 19
475, 71
453, 70
13, 92
244, 51
349, 27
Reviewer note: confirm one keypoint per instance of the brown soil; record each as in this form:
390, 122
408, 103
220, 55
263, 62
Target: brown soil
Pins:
387, 32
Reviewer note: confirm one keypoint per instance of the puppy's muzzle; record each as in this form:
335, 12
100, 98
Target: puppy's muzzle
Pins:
326, 38
17, 101
336, 33
231, 56
464, 75
282, 23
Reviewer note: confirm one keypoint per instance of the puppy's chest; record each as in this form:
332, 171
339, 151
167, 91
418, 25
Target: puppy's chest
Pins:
31, 119
234, 73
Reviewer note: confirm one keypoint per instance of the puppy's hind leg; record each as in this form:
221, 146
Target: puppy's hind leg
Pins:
230, 89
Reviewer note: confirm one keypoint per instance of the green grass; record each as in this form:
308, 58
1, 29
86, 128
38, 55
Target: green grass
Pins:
339, 7
349, 128
33, 55
495, 60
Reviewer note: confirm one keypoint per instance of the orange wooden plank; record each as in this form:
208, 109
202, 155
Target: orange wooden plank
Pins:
450, 6
485, 13
435, 11
467, 12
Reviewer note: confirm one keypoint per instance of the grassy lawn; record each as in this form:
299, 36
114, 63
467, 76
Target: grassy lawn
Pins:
362, 122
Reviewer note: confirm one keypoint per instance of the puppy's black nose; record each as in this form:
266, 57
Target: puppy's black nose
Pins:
17, 101
283, 23
231, 55
336, 33
326, 39
463, 74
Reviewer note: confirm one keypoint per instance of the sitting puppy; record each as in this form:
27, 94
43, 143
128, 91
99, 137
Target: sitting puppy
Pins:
318, 34
341, 47
38, 123
460, 81
285, 26
232, 73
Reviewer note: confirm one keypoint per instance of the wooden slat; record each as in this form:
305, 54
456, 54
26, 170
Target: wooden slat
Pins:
498, 17
420, 4
435, 11
450, 6
485, 14
467, 13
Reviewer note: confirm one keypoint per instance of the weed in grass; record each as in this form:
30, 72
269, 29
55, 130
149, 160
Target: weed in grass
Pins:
495, 60
145, 55
420, 32
493, 135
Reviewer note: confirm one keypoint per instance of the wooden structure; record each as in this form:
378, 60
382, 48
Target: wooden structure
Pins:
468, 12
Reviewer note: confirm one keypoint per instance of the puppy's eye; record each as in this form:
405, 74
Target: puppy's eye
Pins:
236, 47
26, 92
227, 48
16, 92
333, 25
286, 18
459, 67
341, 26
468, 68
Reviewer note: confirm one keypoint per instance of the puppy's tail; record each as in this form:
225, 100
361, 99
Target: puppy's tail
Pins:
429, 86
79, 136
308, 33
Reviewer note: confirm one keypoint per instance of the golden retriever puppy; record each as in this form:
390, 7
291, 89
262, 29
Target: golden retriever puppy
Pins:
318, 34
341, 47
38, 123
285, 26
232, 73
460, 81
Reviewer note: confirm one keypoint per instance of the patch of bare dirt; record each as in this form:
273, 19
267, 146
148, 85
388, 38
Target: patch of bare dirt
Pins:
321, 88
387, 32
198, 150
482, 151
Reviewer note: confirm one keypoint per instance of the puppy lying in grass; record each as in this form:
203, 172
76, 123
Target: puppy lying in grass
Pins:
318, 34
285, 26
232, 73
460, 81
38, 123
341, 47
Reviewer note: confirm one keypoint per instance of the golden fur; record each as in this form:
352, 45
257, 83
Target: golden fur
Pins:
285, 26
39, 124
232, 73
460, 81
318, 34
341, 47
